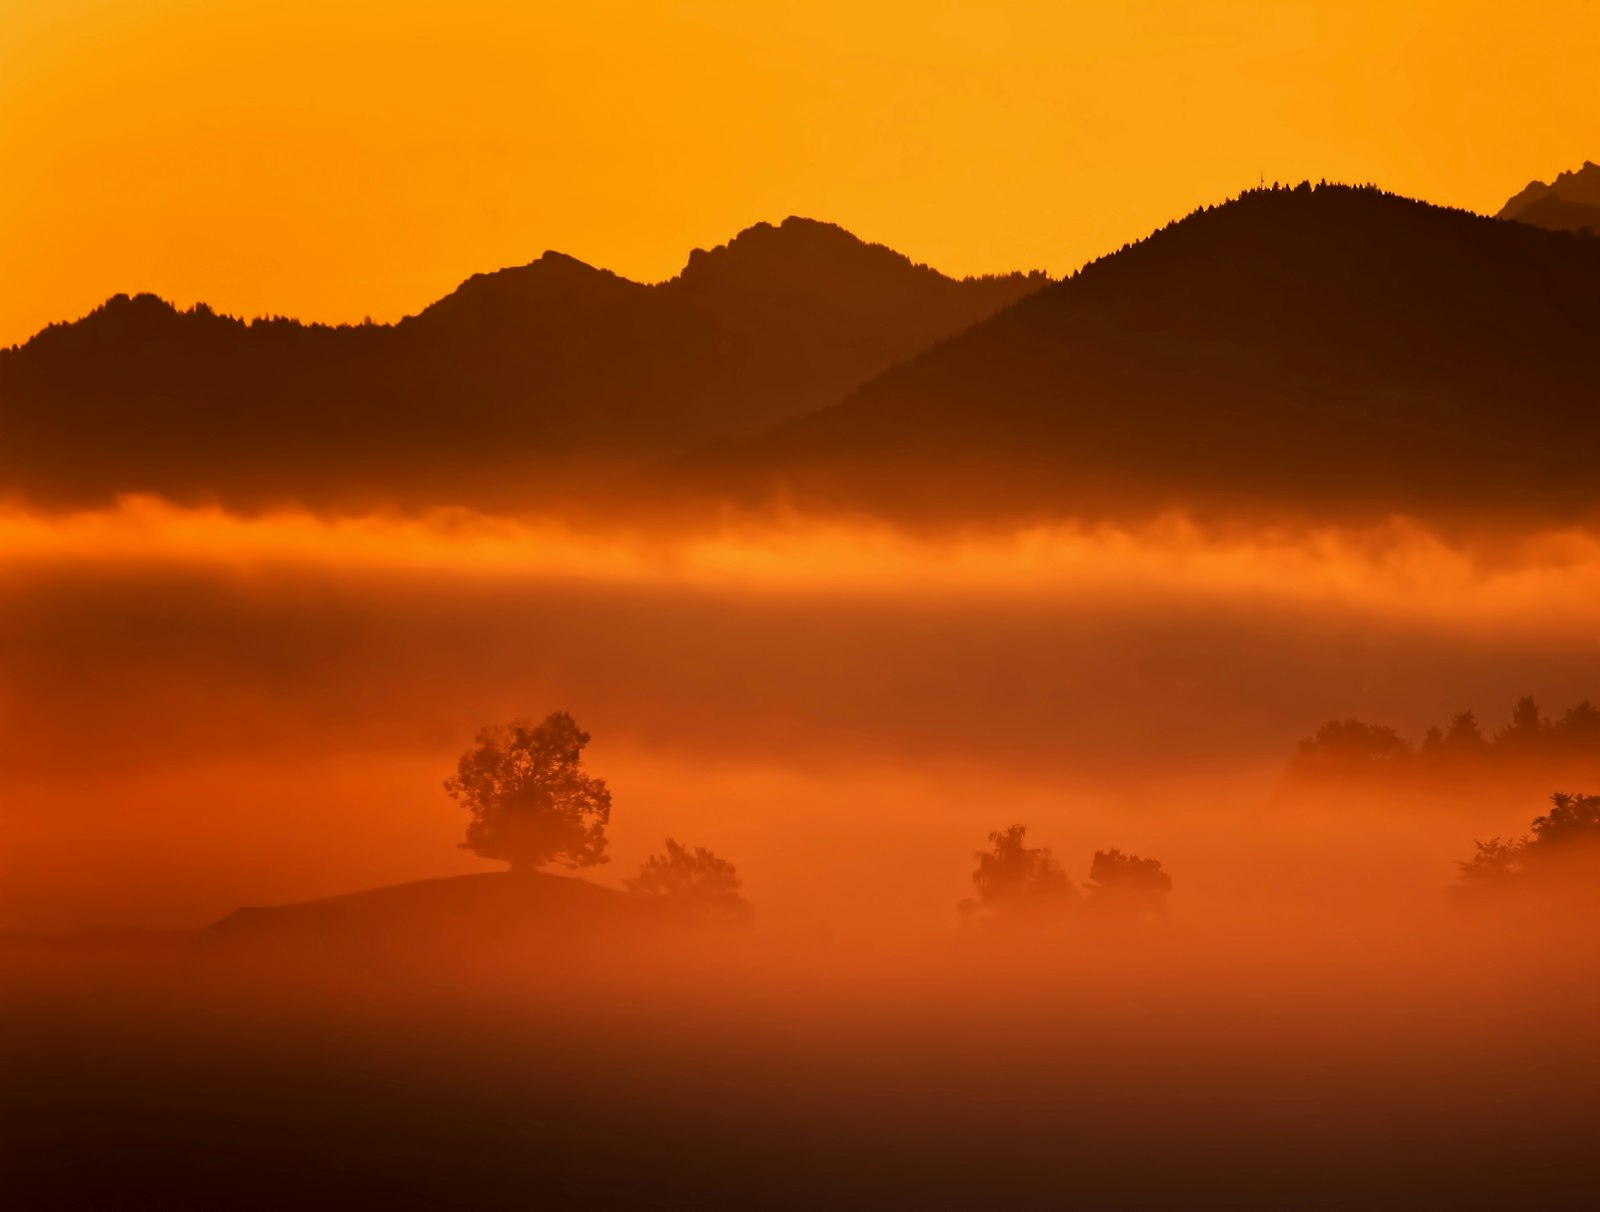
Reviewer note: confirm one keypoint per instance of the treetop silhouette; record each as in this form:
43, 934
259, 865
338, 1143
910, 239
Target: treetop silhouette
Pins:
1126, 885
695, 882
1560, 856
1014, 879
1355, 749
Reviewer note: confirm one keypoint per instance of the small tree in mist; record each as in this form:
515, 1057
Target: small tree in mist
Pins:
695, 882
1125, 885
531, 802
1013, 877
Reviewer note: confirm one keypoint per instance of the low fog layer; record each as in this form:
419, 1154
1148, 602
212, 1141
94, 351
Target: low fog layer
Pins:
203, 710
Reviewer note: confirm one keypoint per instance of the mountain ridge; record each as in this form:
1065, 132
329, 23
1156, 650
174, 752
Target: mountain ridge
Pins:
1569, 203
519, 388
1294, 349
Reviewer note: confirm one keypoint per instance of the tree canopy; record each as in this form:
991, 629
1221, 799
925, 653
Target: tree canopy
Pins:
531, 801
1128, 886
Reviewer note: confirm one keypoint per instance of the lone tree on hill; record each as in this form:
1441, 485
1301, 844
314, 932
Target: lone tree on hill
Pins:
694, 881
530, 801
1013, 876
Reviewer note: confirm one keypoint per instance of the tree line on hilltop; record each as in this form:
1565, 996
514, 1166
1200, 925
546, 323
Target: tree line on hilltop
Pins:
1351, 747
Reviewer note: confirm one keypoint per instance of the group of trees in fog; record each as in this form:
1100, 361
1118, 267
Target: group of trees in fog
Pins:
1353, 747
531, 804
1559, 857
1014, 880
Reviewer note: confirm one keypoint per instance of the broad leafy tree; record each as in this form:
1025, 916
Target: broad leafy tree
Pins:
530, 799
1013, 876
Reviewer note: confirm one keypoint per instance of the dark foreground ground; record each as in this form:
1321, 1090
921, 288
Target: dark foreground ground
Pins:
1457, 1068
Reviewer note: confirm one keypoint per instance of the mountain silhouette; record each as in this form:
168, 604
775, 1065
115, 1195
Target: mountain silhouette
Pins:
1570, 203
520, 387
1299, 349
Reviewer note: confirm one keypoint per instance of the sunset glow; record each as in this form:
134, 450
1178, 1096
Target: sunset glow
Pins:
208, 151
972, 604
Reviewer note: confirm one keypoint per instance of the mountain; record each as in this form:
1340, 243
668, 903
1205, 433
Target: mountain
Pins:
1298, 350
1570, 203
520, 387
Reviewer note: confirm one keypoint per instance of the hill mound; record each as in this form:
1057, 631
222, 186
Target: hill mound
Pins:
484, 907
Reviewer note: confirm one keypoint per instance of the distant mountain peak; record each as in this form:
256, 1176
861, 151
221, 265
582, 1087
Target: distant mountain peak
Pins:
808, 259
549, 265
1569, 203
1290, 352
553, 279
1585, 178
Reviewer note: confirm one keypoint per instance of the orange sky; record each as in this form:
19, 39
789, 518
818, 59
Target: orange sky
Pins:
332, 160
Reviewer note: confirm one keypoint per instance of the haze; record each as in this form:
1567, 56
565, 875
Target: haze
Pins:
255, 685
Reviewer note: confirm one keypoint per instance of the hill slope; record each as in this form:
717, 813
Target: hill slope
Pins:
485, 907
520, 387
1296, 350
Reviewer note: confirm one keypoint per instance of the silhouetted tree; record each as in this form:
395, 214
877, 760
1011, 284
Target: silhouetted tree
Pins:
1573, 820
1526, 717
1528, 730
695, 882
1350, 746
1464, 737
1014, 877
531, 803
1579, 728
1127, 885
